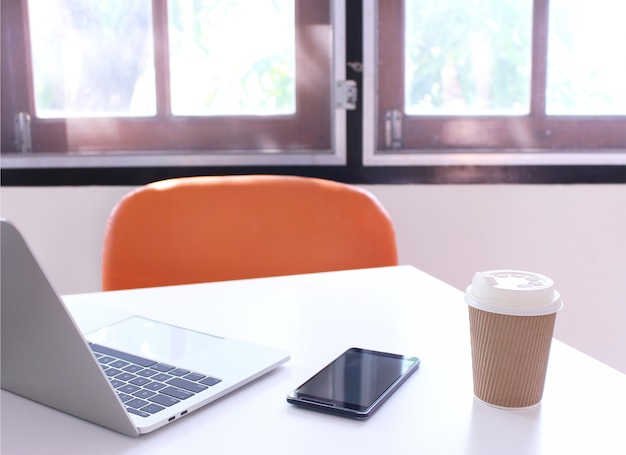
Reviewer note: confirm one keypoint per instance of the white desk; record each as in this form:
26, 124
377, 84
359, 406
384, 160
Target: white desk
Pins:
316, 317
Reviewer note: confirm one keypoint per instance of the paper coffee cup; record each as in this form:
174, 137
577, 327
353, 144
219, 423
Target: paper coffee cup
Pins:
512, 315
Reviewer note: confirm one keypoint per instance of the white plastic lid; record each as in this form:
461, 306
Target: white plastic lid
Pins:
513, 292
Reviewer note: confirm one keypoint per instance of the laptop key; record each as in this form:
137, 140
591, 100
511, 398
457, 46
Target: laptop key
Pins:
128, 388
112, 372
193, 377
118, 364
179, 372
139, 381
124, 396
132, 368
154, 386
210, 381
161, 377
143, 393
177, 393
152, 408
136, 403
146, 373
138, 412
106, 359
163, 400
187, 385
122, 355
162, 367
125, 376
115, 383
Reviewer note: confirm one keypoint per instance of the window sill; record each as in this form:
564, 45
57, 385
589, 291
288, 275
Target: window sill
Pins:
500, 158
599, 167
168, 159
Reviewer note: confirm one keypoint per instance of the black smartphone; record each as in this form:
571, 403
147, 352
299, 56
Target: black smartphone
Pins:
355, 384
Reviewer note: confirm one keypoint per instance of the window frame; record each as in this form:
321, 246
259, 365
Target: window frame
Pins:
428, 152
355, 170
195, 155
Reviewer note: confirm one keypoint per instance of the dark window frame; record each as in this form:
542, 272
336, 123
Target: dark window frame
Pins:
306, 130
354, 171
534, 131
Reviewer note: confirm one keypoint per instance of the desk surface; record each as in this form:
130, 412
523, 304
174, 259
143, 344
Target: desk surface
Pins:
316, 317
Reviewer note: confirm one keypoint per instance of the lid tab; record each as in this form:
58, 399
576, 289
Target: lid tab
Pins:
513, 292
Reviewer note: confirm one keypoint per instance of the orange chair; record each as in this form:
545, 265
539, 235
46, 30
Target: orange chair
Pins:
200, 229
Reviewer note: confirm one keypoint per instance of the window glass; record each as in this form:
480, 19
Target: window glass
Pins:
467, 57
586, 64
229, 57
92, 58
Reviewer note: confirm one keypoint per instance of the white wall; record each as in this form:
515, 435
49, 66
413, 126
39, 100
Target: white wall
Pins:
576, 234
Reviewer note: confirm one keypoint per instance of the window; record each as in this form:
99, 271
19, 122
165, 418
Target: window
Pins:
247, 80
447, 91
454, 81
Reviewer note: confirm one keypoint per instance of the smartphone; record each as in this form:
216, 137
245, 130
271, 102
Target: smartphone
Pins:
355, 384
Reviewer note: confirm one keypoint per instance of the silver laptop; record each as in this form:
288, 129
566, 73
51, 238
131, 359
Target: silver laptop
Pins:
133, 375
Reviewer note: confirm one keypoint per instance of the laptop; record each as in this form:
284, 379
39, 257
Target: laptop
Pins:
133, 375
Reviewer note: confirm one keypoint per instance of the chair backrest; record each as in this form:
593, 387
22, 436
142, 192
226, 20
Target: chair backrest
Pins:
200, 229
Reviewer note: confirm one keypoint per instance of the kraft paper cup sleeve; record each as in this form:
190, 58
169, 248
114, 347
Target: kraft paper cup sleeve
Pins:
510, 357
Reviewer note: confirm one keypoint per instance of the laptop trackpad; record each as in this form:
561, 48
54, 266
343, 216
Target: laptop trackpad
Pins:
152, 339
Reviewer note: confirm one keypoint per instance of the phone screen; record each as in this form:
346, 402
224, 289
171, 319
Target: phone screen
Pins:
355, 383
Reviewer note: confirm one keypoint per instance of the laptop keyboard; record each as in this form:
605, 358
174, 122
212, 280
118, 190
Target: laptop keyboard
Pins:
145, 386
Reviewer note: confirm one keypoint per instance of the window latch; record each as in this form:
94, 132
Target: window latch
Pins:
22, 133
393, 129
347, 95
